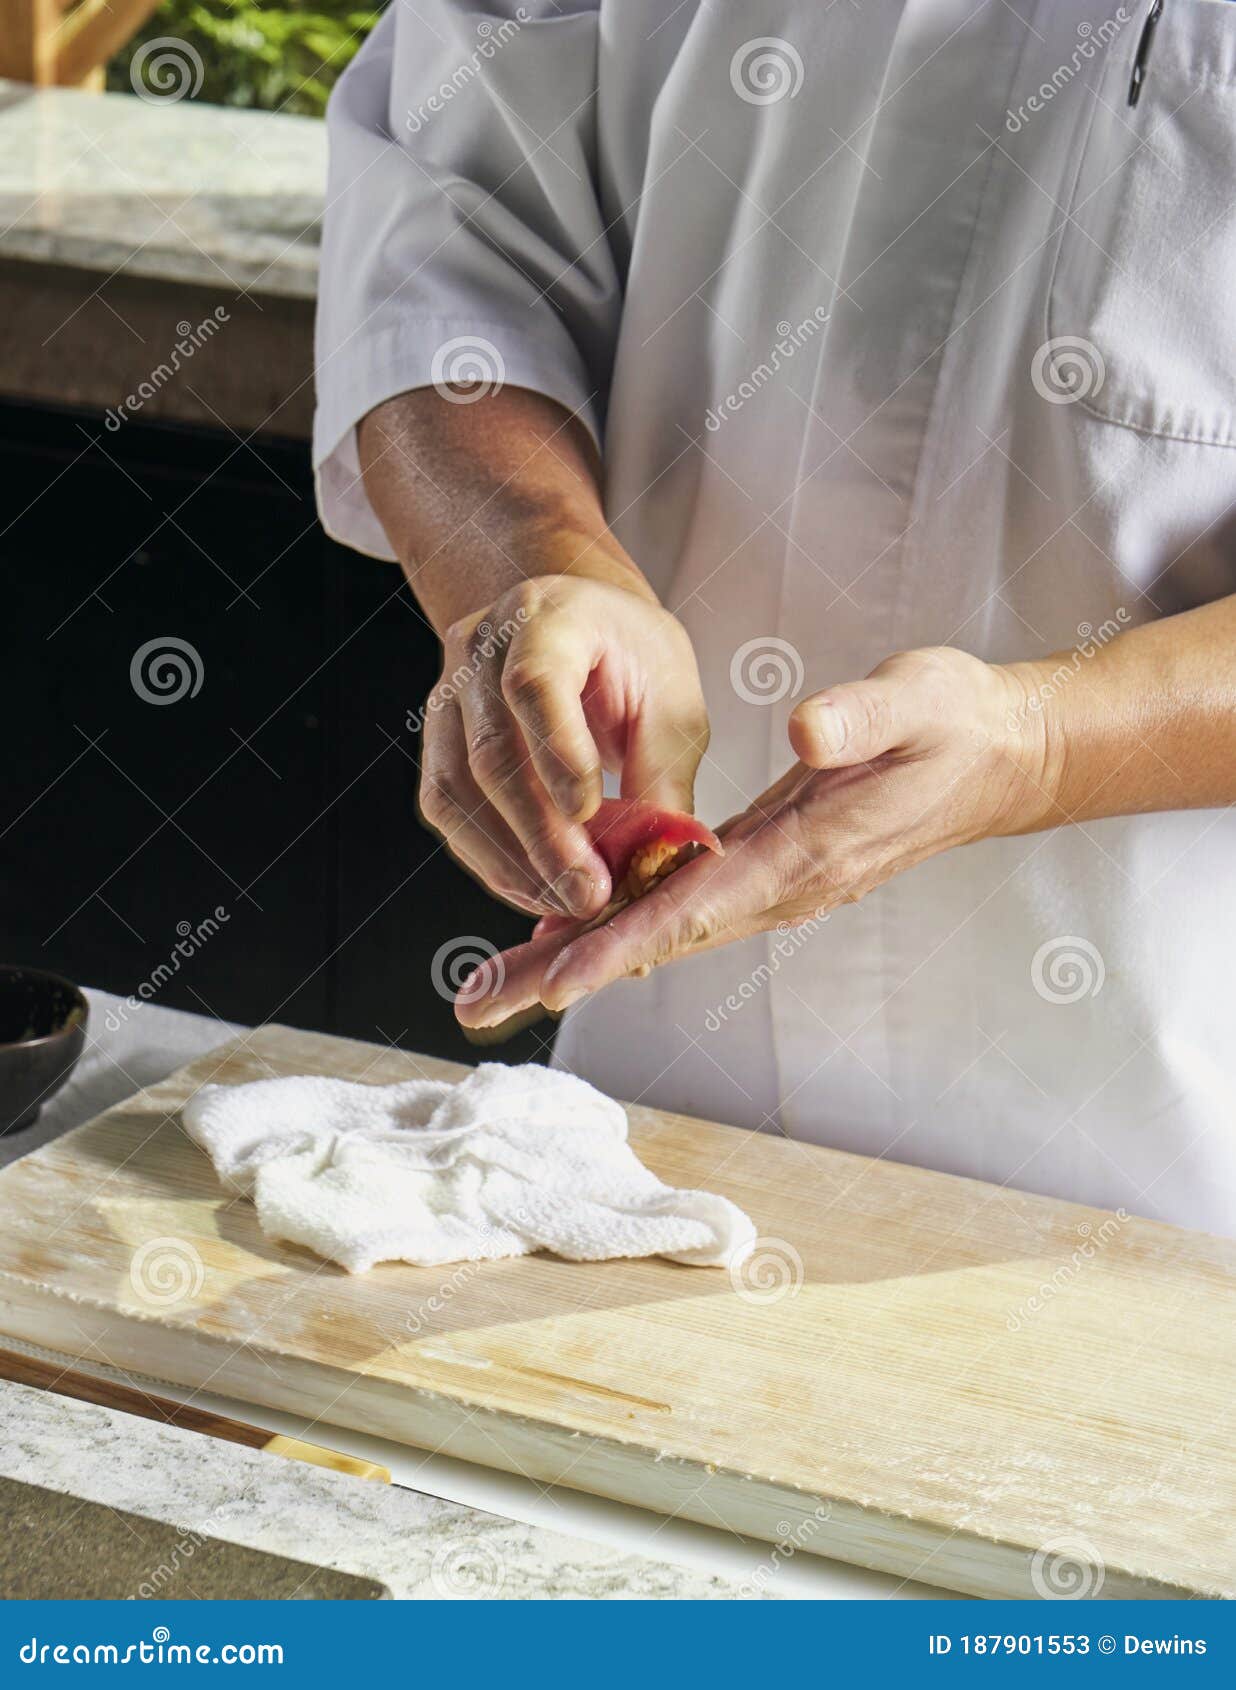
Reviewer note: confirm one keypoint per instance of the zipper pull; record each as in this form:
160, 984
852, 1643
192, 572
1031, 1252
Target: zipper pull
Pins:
1142, 57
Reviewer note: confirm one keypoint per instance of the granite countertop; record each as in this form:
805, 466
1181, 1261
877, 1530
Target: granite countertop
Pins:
418, 1546
174, 189
51, 1542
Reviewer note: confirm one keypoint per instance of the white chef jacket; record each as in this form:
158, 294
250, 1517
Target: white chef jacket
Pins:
899, 326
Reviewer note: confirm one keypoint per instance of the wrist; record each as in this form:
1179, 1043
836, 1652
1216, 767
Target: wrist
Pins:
1034, 747
513, 542
571, 545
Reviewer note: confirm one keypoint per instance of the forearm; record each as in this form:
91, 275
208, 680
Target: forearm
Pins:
475, 497
1148, 722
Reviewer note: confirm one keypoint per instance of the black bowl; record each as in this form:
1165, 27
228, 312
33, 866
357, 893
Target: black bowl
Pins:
42, 1031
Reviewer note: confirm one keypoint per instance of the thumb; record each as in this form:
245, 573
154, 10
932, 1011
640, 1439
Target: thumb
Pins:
855, 722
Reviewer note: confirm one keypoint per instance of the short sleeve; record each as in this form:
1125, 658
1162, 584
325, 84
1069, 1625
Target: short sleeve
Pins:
463, 240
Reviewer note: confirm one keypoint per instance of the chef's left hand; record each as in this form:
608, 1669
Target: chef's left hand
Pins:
934, 749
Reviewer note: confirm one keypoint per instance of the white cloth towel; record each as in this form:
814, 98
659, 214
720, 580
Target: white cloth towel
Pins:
508, 1161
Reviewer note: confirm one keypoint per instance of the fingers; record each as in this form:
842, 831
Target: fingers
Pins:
552, 924
665, 746
509, 983
900, 706
852, 723
453, 805
577, 673
510, 766
542, 684
709, 902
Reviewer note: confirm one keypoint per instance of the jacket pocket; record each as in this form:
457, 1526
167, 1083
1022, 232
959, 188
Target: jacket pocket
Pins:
1142, 301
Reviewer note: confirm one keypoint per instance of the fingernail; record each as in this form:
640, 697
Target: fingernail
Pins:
568, 1000
475, 986
828, 724
577, 891
569, 796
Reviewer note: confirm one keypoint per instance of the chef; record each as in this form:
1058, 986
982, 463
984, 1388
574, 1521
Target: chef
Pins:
824, 417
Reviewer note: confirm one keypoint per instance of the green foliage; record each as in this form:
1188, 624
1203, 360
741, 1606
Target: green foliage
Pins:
278, 55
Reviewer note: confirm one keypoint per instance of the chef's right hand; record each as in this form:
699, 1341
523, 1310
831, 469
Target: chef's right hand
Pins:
560, 678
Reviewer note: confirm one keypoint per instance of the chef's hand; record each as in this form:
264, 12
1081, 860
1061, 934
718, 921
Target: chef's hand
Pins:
559, 660
561, 677
933, 749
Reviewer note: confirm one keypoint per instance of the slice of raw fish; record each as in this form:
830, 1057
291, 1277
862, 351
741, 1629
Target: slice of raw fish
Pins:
641, 843
622, 827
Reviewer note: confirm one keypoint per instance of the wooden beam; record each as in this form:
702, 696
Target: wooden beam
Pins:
26, 30
90, 34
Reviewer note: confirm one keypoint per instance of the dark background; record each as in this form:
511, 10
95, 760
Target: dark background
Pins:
283, 791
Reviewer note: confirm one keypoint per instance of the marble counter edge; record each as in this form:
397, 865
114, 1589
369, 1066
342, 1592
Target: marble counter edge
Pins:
420, 1546
55, 164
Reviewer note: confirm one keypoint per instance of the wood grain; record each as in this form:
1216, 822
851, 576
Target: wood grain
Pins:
994, 1392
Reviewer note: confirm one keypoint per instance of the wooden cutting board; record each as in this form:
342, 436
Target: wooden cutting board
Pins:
997, 1393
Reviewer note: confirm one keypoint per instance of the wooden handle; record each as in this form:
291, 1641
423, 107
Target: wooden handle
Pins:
50, 1376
